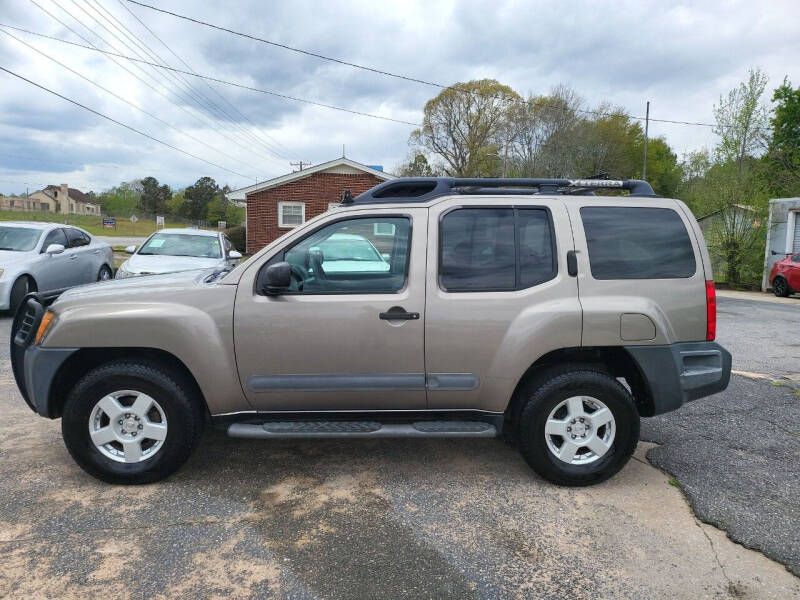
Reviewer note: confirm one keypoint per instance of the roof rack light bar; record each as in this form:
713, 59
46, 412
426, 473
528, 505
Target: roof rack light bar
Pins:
421, 189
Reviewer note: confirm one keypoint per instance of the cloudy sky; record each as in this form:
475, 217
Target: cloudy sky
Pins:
681, 57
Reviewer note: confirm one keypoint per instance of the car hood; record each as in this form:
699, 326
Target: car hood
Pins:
145, 287
8, 257
168, 264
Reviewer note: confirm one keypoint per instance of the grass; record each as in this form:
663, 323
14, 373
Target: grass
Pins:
674, 482
91, 223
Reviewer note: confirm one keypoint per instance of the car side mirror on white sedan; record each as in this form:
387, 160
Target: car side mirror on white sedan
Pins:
130, 250
54, 249
234, 255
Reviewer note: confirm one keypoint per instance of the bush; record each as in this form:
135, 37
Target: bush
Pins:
238, 237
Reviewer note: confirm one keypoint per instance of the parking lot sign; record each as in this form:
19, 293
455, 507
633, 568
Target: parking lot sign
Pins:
109, 222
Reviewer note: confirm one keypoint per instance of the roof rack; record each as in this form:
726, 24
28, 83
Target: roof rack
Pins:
422, 189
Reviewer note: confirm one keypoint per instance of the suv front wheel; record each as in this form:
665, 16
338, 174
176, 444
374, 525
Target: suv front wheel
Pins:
131, 422
578, 426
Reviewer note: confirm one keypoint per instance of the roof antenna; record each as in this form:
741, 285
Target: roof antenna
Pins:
347, 197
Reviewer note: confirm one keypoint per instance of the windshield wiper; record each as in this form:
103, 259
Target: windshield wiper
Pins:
8, 248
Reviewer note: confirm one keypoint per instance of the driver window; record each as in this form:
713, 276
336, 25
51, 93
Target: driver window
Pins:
356, 256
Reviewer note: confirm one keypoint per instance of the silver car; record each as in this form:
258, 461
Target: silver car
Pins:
173, 250
48, 258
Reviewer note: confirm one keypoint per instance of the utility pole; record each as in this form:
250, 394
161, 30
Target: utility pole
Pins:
646, 132
300, 164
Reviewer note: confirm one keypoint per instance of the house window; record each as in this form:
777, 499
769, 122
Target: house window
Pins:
291, 214
383, 228
44, 206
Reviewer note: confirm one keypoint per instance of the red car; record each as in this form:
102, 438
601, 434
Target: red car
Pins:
785, 276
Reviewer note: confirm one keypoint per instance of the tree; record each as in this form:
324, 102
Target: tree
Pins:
197, 198
122, 200
783, 154
742, 121
466, 125
416, 165
175, 205
154, 197
663, 170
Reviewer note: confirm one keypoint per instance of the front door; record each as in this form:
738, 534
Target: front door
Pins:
349, 334
52, 273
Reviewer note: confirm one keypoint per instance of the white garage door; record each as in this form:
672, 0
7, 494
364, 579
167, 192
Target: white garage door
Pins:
796, 238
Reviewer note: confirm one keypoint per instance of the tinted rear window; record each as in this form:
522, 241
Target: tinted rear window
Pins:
637, 243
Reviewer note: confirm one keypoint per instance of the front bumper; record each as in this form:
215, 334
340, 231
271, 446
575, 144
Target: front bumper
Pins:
679, 373
34, 367
5, 294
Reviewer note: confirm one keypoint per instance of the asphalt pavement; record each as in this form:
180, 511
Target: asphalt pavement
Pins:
418, 518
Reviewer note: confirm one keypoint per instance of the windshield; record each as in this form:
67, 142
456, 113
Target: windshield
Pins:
182, 244
18, 239
349, 249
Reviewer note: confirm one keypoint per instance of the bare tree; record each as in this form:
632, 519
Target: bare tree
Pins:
466, 126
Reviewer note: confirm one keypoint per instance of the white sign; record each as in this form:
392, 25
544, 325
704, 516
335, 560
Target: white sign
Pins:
222, 224
134, 218
159, 221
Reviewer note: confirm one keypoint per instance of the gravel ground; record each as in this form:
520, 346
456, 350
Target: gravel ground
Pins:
414, 519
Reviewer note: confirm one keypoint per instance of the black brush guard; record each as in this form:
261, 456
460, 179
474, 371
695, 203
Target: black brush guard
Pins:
23, 334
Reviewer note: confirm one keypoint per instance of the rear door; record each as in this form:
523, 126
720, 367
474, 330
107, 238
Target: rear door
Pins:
499, 296
640, 272
80, 258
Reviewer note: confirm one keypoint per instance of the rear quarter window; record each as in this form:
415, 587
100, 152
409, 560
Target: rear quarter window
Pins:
637, 243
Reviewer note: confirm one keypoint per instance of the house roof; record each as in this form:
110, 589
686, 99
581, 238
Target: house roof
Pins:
339, 165
73, 193
743, 207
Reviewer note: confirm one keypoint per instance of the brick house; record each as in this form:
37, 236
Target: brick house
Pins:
276, 206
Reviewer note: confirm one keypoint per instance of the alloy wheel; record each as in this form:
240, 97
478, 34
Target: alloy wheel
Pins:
580, 430
128, 426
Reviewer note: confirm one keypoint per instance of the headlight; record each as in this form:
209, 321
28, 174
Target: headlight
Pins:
122, 272
47, 322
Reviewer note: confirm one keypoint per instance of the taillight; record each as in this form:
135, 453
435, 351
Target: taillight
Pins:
711, 311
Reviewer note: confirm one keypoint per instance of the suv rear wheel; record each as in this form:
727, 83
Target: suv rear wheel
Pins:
131, 422
578, 426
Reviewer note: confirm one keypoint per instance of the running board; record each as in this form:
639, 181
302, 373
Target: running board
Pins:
361, 429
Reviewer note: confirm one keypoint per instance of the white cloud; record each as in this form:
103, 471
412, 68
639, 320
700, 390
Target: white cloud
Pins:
681, 57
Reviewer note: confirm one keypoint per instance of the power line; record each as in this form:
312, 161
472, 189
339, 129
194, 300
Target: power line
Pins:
191, 97
209, 86
223, 81
137, 41
128, 102
397, 75
121, 124
196, 115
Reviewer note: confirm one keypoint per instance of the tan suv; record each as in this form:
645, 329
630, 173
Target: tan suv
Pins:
434, 307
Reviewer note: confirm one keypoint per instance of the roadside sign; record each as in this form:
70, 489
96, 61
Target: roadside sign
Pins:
134, 218
109, 222
222, 224
159, 221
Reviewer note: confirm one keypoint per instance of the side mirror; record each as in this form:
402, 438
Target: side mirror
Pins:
130, 250
276, 279
234, 255
55, 249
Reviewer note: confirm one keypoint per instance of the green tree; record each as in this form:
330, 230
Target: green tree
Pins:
416, 165
783, 154
197, 198
121, 201
466, 125
664, 172
742, 121
154, 197
175, 205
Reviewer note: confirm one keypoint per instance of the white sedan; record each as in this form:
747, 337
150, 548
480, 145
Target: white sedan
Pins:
173, 250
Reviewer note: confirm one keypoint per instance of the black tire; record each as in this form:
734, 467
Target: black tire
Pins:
105, 270
545, 393
19, 290
780, 287
184, 414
